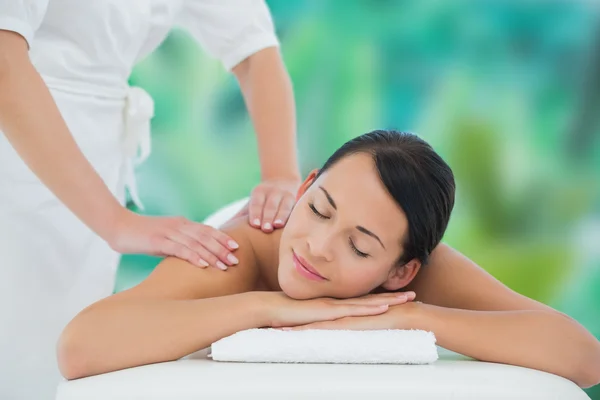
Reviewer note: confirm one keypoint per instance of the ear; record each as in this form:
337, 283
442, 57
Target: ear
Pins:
306, 184
401, 275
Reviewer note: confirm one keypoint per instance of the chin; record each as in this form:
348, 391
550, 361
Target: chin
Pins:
294, 289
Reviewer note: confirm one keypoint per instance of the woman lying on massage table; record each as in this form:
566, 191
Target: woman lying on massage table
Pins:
362, 240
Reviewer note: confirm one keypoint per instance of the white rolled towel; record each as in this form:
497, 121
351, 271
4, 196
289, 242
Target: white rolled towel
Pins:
393, 346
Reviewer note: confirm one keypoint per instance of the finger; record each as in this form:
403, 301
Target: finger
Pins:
175, 248
270, 210
207, 248
285, 209
212, 260
196, 230
257, 201
387, 294
375, 300
352, 310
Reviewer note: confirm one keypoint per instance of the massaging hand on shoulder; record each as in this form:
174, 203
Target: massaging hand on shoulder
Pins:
271, 204
196, 243
268, 94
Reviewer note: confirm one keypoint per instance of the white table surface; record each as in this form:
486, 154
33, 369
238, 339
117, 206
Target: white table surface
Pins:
198, 377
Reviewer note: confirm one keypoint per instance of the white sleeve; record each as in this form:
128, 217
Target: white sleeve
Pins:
229, 30
22, 16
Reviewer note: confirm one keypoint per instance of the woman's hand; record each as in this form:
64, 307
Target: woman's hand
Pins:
271, 203
285, 311
197, 243
398, 316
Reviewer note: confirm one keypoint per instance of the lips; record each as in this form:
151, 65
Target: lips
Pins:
305, 269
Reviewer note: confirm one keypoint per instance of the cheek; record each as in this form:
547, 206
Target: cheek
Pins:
358, 278
298, 223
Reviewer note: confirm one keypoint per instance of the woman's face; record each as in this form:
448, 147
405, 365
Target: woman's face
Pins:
347, 230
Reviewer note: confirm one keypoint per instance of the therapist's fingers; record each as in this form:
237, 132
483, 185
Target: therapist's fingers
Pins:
270, 210
255, 207
174, 248
211, 244
285, 209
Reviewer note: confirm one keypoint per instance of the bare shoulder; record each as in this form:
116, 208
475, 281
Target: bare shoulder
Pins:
174, 278
453, 280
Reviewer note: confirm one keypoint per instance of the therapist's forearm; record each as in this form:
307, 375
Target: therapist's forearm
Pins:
564, 348
116, 334
269, 97
33, 125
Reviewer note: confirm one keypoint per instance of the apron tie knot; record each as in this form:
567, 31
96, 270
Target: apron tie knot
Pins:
139, 110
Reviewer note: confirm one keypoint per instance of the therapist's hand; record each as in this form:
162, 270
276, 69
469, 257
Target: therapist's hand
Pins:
270, 204
197, 243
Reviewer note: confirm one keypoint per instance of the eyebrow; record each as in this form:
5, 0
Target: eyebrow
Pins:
368, 232
328, 197
360, 228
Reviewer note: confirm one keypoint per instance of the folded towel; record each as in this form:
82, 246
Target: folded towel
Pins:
392, 346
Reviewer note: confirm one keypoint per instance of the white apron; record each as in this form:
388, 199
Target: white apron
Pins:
51, 265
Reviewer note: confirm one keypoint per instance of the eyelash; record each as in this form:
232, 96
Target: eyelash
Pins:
352, 246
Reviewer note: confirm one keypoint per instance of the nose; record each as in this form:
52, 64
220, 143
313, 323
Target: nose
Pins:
320, 244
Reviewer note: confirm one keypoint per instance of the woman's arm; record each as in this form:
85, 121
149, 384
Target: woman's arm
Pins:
174, 312
539, 339
472, 313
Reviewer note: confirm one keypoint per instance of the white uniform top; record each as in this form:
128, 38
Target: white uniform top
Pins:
52, 264
90, 47
96, 43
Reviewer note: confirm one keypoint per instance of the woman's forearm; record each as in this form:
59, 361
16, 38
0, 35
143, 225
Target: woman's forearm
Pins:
542, 340
33, 125
269, 97
113, 335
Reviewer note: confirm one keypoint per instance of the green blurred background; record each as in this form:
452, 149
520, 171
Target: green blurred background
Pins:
507, 91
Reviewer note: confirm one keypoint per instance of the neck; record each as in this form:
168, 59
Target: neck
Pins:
266, 251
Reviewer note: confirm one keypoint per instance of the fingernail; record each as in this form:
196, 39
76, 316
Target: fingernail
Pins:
384, 307
232, 259
278, 222
203, 263
232, 244
222, 266
256, 222
402, 297
267, 226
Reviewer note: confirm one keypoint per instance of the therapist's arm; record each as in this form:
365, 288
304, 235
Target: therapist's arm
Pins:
473, 313
33, 125
31, 121
269, 97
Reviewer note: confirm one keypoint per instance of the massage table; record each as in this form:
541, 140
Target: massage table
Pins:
453, 376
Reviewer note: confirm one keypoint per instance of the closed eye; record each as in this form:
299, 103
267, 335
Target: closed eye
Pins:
357, 251
316, 212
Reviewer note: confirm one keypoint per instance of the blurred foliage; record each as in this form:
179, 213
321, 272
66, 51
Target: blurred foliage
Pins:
494, 86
